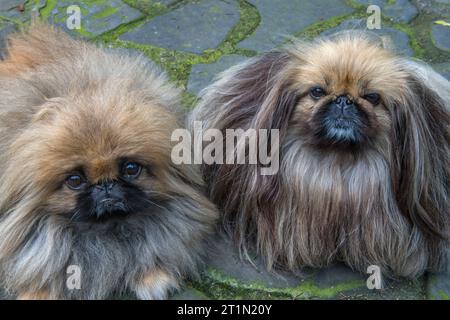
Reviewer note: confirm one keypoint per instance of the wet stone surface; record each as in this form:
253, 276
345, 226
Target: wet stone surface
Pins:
281, 19
96, 17
203, 74
192, 28
228, 276
5, 30
443, 69
441, 36
20, 10
397, 39
397, 11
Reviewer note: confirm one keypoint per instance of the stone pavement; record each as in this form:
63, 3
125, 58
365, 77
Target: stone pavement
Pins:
195, 40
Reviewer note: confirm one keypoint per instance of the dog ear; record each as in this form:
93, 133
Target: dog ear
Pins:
421, 158
255, 95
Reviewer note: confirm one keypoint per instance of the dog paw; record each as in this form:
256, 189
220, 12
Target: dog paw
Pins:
34, 295
155, 285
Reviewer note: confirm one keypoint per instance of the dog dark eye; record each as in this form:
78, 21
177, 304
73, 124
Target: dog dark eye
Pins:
75, 182
373, 98
131, 170
317, 92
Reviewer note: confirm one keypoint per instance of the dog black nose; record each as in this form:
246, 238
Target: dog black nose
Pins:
107, 189
108, 198
343, 102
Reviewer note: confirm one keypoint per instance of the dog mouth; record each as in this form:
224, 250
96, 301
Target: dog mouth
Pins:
111, 207
106, 201
341, 129
340, 124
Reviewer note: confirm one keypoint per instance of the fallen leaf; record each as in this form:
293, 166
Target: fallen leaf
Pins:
442, 23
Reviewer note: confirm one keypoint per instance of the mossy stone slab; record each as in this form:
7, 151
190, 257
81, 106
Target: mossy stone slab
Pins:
20, 10
157, 2
398, 39
203, 75
6, 5
5, 30
443, 69
282, 19
229, 277
441, 36
397, 10
97, 16
194, 27
400, 11
438, 286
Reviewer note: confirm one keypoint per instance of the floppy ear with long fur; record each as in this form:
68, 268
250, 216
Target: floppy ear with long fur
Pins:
253, 95
421, 165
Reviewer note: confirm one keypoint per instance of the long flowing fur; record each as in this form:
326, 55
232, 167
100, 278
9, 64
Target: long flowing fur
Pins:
386, 205
45, 72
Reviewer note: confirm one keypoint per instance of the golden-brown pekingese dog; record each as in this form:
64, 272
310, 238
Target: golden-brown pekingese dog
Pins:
364, 157
87, 186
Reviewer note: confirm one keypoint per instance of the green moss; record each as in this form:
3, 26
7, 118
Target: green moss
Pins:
149, 7
440, 295
4, 20
443, 295
198, 294
357, 5
178, 64
316, 29
422, 42
188, 100
220, 286
215, 9
46, 12
109, 11
416, 46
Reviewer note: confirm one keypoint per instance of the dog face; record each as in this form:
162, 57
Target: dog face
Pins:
345, 89
100, 160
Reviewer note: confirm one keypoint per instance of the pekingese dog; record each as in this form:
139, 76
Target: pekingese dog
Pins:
91, 204
363, 157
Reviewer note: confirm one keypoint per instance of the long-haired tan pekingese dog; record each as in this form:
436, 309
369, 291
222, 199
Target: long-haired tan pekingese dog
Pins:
86, 177
364, 157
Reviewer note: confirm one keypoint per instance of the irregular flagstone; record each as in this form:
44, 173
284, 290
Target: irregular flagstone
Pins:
97, 17
193, 28
441, 36
440, 8
165, 2
10, 9
397, 10
398, 39
380, 3
160, 2
228, 277
281, 19
400, 11
438, 286
443, 69
5, 30
152, 7
6, 5
203, 75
